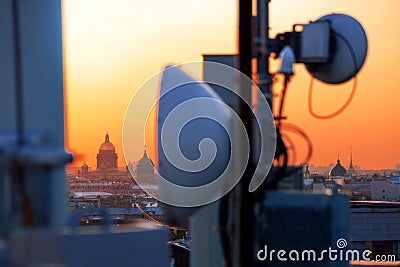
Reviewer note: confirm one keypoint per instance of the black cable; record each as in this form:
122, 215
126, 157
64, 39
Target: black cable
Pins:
281, 153
291, 147
296, 129
279, 171
282, 100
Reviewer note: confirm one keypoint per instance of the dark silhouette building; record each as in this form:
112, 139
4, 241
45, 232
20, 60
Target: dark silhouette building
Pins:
338, 170
107, 159
145, 169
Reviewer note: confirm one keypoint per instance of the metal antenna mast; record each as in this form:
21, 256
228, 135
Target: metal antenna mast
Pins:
246, 207
246, 41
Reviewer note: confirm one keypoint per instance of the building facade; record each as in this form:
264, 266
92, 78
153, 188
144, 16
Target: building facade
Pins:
107, 158
387, 190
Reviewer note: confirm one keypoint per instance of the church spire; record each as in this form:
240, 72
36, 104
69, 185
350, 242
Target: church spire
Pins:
307, 173
351, 157
107, 139
351, 168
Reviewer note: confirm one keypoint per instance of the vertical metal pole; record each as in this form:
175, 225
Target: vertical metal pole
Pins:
264, 76
246, 203
27, 216
18, 75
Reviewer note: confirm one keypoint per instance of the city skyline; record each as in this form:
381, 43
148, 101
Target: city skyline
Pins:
108, 57
90, 160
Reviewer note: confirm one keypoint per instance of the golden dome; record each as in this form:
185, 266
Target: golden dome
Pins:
107, 145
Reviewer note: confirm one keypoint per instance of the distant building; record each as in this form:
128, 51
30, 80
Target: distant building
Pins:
145, 169
374, 226
306, 174
107, 158
387, 190
106, 178
397, 167
84, 169
351, 171
338, 170
109, 178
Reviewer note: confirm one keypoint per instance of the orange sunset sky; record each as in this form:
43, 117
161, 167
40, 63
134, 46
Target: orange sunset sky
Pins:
112, 47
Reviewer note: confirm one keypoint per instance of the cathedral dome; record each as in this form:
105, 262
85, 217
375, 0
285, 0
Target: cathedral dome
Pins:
145, 169
107, 159
107, 145
145, 161
337, 170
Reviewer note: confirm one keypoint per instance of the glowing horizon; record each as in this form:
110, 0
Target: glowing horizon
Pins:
112, 47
